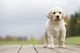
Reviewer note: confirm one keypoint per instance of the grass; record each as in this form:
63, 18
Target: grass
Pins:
73, 40
18, 42
70, 40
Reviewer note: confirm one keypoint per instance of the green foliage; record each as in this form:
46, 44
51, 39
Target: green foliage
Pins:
70, 40
13, 38
75, 24
32, 39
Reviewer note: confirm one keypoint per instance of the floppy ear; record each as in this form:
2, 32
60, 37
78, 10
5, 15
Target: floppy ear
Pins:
63, 15
49, 15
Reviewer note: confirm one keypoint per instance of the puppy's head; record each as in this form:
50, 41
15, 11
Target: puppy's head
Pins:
56, 14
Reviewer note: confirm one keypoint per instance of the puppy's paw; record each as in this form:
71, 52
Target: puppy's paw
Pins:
62, 46
45, 46
50, 46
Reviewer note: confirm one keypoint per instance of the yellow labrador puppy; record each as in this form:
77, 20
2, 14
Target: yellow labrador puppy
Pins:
55, 27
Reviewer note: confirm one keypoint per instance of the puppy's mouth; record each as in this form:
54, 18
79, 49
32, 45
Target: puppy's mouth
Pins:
57, 20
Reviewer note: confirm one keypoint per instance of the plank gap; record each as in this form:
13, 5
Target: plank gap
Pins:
19, 49
42, 49
54, 50
35, 49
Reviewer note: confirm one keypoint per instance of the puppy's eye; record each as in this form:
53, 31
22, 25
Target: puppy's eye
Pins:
59, 12
54, 12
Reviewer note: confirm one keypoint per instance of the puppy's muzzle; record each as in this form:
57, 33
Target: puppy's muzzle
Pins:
57, 18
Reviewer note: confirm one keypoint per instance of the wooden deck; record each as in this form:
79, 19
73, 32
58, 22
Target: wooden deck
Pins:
38, 49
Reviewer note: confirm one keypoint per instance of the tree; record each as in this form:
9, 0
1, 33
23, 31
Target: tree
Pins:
10, 38
75, 24
32, 39
1, 38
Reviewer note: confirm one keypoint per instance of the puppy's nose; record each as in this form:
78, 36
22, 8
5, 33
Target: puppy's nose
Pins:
57, 17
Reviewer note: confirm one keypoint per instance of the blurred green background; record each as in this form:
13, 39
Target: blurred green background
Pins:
22, 21
73, 34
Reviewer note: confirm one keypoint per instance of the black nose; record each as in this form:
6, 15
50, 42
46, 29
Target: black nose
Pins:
57, 17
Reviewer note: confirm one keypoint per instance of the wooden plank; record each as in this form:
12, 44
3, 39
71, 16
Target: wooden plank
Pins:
77, 46
64, 50
38, 49
3, 47
0, 45
11, 49
73, 48
27, 49
41, 49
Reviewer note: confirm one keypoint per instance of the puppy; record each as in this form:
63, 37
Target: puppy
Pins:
55, 27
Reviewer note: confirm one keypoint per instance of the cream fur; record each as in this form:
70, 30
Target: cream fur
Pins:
55, 28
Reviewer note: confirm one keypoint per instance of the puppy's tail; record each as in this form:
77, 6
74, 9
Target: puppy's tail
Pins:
65, 23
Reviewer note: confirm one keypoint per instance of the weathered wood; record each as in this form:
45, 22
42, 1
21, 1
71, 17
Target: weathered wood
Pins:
73, 48
67, 49
38, 49
77, 46
11, 49
27, 49
3, 47
41, 49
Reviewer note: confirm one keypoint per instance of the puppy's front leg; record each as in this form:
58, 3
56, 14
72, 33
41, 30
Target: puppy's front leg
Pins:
62, 39
46, 40
50, 41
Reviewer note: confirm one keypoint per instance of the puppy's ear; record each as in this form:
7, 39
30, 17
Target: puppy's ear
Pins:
49, 15
63, 15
